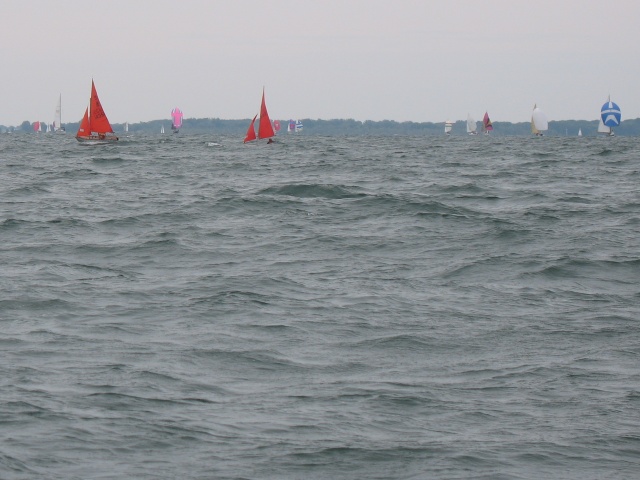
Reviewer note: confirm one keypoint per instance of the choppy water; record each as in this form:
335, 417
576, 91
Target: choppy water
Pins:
375, 308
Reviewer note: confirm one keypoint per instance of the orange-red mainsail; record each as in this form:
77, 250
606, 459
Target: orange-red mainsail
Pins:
99, 121
95, 124
265, 128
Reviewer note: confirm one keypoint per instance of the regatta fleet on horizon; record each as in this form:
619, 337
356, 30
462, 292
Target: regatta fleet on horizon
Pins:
95, 127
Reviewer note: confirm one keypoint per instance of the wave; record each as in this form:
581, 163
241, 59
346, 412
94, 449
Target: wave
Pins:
314, 191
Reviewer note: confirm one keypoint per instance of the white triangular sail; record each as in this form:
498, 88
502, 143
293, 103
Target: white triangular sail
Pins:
602, 128
57, 121
539, 123
448, 125
472, 127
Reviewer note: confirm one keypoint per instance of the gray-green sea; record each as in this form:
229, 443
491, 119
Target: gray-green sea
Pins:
190, 307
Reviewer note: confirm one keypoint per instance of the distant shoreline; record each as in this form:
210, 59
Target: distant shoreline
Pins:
352, 127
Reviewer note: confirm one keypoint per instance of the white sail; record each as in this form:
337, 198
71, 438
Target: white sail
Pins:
579, 132
57, 122
472, 128
448, 125
162, 129
539, 122
602, 128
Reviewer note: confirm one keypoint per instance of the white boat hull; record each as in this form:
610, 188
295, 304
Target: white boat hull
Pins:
97, 139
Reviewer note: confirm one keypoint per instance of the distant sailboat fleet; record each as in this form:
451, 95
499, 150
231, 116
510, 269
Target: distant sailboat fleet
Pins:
472, 127
295, 126
95, 127
610, 117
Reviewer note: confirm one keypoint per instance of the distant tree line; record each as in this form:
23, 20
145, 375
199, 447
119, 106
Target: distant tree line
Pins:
351, 127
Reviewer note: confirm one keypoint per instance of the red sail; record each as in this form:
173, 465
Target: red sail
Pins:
265, 129
85, 129
251, 132
98, 120
487, 123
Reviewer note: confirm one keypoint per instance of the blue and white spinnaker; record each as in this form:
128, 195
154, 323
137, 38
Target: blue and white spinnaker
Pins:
610, 114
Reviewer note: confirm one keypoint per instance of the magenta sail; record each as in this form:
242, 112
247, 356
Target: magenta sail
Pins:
176, 122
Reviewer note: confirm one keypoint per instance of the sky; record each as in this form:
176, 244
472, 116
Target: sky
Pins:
402, 60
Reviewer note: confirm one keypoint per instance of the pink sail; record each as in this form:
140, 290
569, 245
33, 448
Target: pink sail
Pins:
176, 115
487, 126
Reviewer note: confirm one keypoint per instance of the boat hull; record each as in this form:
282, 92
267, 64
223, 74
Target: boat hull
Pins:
97, 139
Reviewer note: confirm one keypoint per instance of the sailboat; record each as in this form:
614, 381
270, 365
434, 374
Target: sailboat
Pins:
291, 127
57, 122
487, 126
298, 126
602, 128
162, 129
579, 132
448, 126
539, 123
95, 127
265, 129
610, 116
126, 126
472, 128
176, 115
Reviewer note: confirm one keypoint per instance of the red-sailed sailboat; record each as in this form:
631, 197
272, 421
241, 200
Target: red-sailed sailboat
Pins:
265, 129
487, 126
95, 127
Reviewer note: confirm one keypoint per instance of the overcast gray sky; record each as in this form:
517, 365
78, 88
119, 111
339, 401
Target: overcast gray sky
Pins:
418, 60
